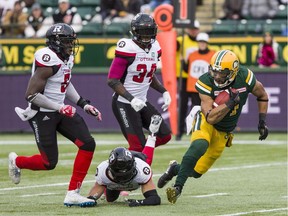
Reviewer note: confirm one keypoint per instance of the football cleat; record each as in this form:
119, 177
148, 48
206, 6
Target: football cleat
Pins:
14, 171
155, 123
168, 175
73, 198
173, 193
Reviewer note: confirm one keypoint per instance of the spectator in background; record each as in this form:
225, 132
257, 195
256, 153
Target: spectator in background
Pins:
198, 63
6, 5
269, 52
190, 45
64, 14
232, 9
260, 9
117, 11
155, 3
35, 22
14, 21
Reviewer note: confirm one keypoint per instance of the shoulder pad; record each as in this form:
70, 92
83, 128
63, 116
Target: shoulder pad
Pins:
125, 47
46, 57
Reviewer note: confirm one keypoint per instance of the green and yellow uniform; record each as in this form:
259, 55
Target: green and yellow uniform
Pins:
219, 135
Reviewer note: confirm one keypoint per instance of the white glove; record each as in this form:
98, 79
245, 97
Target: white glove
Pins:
93, 111
167, 100
137, 104
155, 123
26, 114
190, 118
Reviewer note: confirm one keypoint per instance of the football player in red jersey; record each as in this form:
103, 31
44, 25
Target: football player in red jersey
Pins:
128, 170
131, 74
47, 114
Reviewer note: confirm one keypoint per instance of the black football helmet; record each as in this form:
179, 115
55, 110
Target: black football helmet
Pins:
143, 29
122, 165
62, 39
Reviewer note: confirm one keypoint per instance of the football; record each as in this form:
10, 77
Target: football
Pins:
221, 98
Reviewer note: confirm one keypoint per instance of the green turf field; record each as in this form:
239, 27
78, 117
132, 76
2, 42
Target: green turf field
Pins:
249, 179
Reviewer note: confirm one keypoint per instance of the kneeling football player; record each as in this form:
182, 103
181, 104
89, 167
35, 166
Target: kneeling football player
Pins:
127, 170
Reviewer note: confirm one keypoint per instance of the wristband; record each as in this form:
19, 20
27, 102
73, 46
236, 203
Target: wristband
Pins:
82, 102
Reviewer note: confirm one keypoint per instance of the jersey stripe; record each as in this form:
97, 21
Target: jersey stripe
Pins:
220, 57
249, 77
203, 86
125, 54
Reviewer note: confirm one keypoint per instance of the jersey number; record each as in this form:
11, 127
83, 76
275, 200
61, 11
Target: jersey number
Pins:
65, 84
234, 111
142, 68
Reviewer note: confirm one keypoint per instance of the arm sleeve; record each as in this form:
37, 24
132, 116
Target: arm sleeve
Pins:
151, 198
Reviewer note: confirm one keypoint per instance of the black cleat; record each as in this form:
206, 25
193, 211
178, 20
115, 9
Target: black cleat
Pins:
168, 175
173, 193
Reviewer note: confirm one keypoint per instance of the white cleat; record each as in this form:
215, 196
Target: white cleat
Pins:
14, 171
155, 124
73, 198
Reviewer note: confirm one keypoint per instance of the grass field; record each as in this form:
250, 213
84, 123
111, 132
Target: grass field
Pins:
249, 179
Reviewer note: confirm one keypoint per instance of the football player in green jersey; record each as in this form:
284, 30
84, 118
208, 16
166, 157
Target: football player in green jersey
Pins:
212, 127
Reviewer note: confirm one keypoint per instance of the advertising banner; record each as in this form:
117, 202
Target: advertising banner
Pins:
99, 52
95, 88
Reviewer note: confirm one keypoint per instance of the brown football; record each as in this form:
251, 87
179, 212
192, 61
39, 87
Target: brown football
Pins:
221, 98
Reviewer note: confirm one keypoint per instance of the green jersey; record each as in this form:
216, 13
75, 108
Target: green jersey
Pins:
244, 83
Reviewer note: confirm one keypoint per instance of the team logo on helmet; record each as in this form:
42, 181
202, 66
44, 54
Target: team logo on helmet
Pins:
235, 64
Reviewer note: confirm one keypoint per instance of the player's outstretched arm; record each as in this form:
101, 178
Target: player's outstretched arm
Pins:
96, 191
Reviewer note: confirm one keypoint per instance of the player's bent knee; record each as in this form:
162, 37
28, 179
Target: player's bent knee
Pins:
196, 174
89, 145
51, 165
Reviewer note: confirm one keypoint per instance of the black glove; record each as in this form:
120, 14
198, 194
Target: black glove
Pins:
263, 130
234, 99
134, 202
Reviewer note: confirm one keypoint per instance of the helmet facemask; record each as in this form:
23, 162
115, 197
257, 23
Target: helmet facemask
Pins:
122, 165
67, 45
222, 78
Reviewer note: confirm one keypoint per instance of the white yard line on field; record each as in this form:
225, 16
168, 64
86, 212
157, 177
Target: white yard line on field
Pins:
169, 145
257, 211
40, 194
155, 175
209, 195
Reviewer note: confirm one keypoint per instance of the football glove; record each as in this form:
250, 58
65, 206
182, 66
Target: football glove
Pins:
234, 99
91, 110
263, 130
67, 110
137, 104
134, 202
167, 100
155, 123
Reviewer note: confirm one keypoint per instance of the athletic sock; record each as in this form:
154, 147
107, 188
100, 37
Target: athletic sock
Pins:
81, 165
34, 162
189, 160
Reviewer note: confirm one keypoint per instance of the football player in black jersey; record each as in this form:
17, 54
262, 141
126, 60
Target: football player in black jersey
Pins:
47, 114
